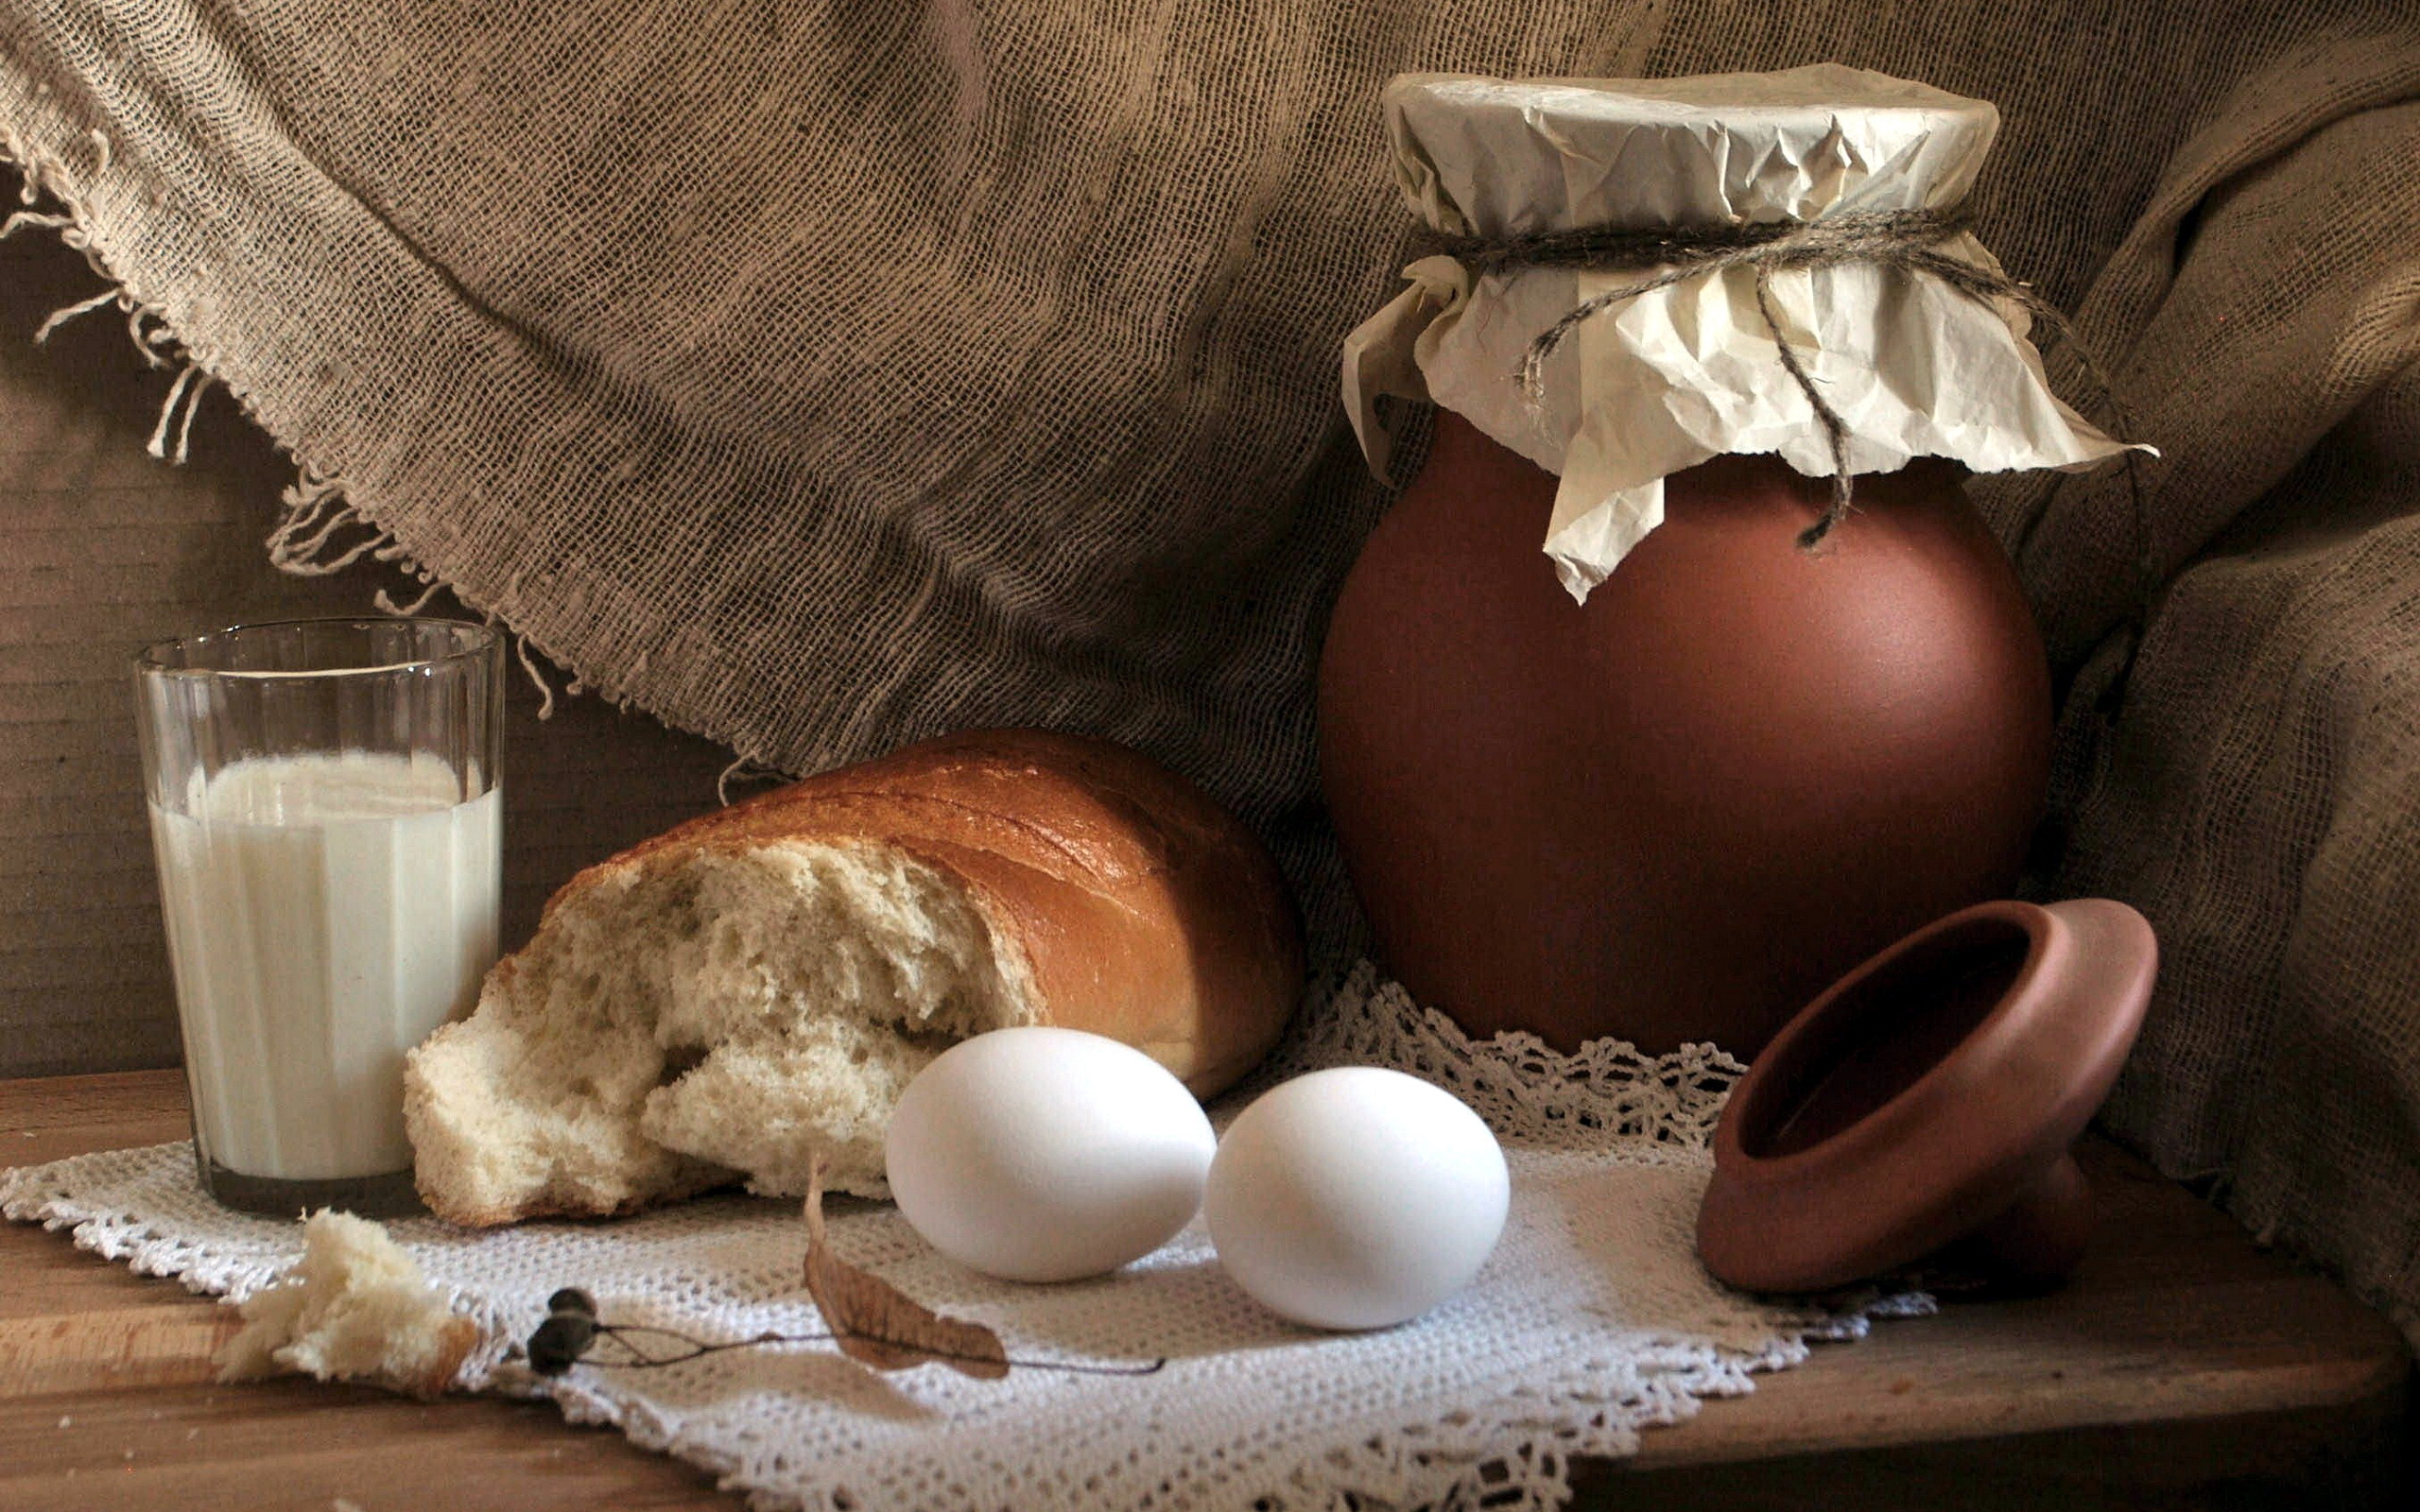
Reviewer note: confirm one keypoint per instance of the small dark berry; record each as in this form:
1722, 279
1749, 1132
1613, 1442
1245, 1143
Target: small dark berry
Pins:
558, 1343
572, 1300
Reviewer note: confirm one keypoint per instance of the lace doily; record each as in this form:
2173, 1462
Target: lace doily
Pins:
1592, 1320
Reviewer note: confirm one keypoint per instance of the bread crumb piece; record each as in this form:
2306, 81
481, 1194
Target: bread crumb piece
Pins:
355, 1306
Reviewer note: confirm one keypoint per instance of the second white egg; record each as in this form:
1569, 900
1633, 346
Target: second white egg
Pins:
1356, 1198
1045, 1154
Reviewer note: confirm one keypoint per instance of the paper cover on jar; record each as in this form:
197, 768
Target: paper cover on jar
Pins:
1676, 375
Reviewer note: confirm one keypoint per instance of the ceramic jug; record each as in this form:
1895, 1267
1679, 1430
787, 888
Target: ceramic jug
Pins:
1615, 744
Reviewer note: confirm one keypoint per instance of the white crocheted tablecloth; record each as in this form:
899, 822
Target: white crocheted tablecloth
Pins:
1592, 1320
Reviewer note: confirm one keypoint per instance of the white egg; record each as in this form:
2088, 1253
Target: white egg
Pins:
1044, 1155
1355, 1198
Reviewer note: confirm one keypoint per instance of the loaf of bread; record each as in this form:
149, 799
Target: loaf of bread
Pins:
757, 986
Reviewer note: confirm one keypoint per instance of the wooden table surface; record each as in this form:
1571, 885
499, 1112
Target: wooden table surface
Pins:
2183, 1367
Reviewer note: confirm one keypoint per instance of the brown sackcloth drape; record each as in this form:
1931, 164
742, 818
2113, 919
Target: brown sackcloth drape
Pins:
822, 376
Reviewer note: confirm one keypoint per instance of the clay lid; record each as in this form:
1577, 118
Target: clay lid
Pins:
1926, 1095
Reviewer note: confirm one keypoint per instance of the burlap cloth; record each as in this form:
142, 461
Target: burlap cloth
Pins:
817, 376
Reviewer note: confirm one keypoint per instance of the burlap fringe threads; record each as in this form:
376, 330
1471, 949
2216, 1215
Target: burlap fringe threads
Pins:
172, 439
306, 542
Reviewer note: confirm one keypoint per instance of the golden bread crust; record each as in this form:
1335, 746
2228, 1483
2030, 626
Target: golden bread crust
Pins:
1141, 909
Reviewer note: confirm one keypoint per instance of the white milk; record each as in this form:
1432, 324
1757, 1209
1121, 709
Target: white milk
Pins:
325, 914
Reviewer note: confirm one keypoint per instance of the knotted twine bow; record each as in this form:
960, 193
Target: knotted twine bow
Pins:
1895, 238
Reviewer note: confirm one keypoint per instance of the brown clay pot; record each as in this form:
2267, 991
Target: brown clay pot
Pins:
1929, 1098
1677, 811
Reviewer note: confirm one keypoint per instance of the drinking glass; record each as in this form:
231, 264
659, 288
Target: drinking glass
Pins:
327, 823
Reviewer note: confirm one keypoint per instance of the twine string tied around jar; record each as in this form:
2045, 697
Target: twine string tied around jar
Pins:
1909, 239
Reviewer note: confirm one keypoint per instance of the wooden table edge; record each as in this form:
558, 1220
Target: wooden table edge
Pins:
2366, 1381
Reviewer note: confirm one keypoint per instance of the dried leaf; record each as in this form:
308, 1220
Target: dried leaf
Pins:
876, 1324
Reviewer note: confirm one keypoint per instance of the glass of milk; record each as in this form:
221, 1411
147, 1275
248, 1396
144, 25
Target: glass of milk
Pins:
327, 822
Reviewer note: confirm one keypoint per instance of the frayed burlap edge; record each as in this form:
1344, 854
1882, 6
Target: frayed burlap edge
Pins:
324, 527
